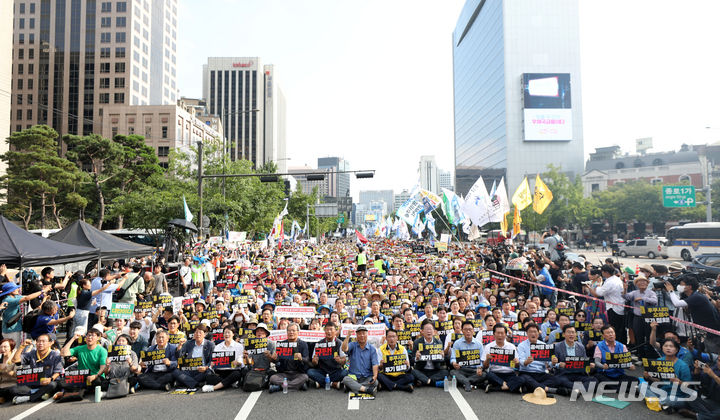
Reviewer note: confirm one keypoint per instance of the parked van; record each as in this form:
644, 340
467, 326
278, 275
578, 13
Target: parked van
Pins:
646, 247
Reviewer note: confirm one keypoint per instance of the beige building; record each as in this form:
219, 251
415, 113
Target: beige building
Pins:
6, 19
165, 127
71, 59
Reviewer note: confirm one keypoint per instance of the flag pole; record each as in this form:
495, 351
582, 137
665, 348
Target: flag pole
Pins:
442, 219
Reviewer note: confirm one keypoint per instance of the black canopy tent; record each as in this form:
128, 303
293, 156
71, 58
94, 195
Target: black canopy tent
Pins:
20, 248
111, 247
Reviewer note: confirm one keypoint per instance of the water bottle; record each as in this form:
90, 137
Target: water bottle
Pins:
453, 386
98, 394
446, 385
285, 386
327, 382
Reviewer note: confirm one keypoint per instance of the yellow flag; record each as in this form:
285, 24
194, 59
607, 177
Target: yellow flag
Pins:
543, 196
522, 197
504, 225
516, 223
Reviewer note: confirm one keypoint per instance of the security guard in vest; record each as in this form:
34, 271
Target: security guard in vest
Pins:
394, 364
380, 265
361, 259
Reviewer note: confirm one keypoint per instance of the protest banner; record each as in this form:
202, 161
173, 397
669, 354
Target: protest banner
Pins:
659, 369
374, 330
618, 360
151, 358
311, 336
395, 363
542, 352
217, 335
577, 364
477, 325
325, 350
190, 363
175, 338
468, 357
122, 310
583, 326
518, 336
501, 357
29, 376
286, 349
277, 335
143, 306
487, 336
256, 345
361, 396
119, 353
405, 337
161, 301
569, 312
430, 352
76, 378
660, 314
223, 359
306, 312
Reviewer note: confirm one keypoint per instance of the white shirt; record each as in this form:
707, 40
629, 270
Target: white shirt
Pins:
612, 292
234, 346
496, 368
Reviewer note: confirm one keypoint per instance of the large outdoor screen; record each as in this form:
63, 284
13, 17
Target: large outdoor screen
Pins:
547, 107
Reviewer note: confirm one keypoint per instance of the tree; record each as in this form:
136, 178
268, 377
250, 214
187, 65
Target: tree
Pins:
102, 156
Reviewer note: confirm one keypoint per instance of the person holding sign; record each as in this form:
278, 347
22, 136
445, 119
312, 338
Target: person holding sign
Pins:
429, 357
292, 361
44, 357
641, 297
226, 376
465, 358
122, 365
199, 347
160, 360
499, 359
395, 364
557, 333
569, 347
535, 356
681, 374
328, 359
91, 356
363, 372
612, 352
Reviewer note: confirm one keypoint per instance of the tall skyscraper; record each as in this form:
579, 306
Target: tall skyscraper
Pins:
445, 180
248, 99
339, 183
514, 63
6, 56
74, 57
428, 172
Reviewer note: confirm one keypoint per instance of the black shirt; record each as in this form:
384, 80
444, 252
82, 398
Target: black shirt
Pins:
702, 311
83, 300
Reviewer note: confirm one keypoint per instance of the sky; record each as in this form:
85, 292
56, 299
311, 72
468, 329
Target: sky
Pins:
371, 80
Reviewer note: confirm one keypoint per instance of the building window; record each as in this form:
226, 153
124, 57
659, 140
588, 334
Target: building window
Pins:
120, 37
164, 165
684, 178
105, 22
119, 98
20, 68
31, 68
104, 98
22, 8
656, 181
31, 53
122, 6
120, 22
29, 114
105, 37
19, 99
104, 52
119, 82
21, 22
29, 100
120, 52
32, 23
114, 131
21, 53
19, 115
163, 151
31, 38
119, 67
106, 7
104, 67
30, 84
619, 165
32, 8
20, 84
164, 132
21, 38
148, 132
131, 130
104, 82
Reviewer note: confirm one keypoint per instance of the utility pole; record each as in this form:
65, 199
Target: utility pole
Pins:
200, 185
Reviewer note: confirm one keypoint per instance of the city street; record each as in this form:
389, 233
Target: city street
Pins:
234, 404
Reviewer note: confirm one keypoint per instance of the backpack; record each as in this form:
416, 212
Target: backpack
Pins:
29, 320
254, 381
560, 245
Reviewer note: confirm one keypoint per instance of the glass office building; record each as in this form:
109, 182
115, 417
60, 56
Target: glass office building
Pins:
505, 51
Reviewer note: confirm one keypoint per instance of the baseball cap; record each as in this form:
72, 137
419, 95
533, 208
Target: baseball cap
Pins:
361, 328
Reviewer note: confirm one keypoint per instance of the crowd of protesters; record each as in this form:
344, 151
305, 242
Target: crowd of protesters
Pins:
383, 316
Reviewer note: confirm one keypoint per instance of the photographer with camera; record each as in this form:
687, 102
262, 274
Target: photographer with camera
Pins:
699, 308
612, 291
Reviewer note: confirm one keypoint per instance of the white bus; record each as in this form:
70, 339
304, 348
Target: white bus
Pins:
693, 239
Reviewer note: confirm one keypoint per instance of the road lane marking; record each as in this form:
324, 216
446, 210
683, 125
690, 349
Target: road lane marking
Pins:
353, 404
248, 406
463, 405
33, 409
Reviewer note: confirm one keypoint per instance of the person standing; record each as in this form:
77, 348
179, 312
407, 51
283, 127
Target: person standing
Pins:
185, 277
612, 291
364, 363
11, 322
361, 259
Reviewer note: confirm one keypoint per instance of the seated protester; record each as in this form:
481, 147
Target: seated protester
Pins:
161, 321
534, 374
591, 338
399, 377
570, 347
609, 345
197, 347
91, 356
443, 325
375, 313
507, 314
364, 363
292, 362
684, 354
41, 356
709, 376
328, 359
226, 377
428, 372
7, 368
429, 313
262, 362
470, 373
500, 376
138, 343
123, 370
48, 319
159, 374
267, 315
176, 336
550, 324
556, 334
670, 351
456, 334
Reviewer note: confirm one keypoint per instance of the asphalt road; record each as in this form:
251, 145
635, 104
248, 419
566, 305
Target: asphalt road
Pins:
313, 404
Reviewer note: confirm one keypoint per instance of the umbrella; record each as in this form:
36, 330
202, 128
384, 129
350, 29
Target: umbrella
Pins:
182, 223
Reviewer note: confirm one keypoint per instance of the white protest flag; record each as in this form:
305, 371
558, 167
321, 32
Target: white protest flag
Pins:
430, 224
410, 210
474, 233
500, 202
477, 203
418, 227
